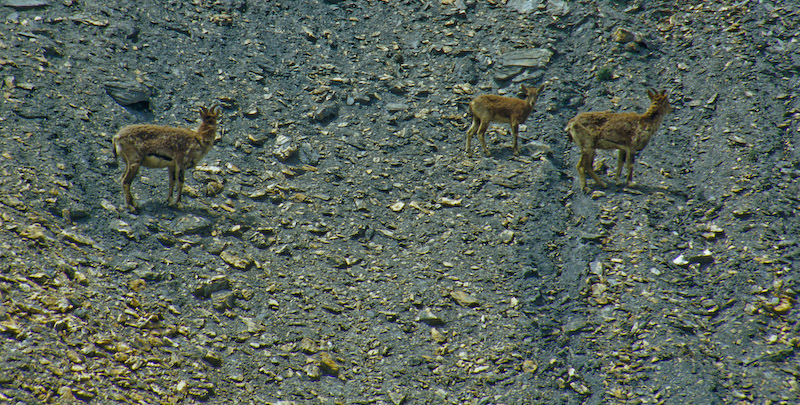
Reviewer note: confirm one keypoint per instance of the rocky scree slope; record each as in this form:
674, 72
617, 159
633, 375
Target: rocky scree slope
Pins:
336, 246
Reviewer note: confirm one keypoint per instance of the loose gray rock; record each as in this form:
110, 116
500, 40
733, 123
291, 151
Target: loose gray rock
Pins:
326, 112
535, 58
211, 286
394, 107
427, 316
284, 148
524, 6
24, 4
308, 155
127, 93
464, 299
558, 7
190, 225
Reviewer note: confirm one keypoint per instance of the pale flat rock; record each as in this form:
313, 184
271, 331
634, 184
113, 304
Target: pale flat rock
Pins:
535, 57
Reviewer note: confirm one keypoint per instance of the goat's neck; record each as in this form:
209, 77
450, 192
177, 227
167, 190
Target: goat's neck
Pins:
650, 121
529, 102
654, 115
207, 131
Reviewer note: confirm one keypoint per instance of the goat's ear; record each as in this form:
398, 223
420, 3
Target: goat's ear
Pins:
523, 88
652, 94
540, 88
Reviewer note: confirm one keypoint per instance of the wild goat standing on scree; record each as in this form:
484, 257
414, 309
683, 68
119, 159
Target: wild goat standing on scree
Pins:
490, 108
628, 132
155, 146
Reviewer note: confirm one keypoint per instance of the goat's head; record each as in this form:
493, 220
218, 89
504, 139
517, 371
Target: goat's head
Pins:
211, 115
531, 93
661, 99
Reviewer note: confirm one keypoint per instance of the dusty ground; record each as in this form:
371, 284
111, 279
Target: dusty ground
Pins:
376, 263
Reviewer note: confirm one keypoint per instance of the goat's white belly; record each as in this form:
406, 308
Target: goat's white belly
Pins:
501, 119
156, 162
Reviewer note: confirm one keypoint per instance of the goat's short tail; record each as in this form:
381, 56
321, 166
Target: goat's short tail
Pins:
569, 132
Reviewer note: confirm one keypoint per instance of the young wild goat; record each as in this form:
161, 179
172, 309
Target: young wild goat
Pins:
155, 146
628, 132
491, 108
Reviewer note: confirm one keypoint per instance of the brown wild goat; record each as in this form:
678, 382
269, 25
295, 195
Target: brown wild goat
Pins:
491, 108
628, 132
156, 146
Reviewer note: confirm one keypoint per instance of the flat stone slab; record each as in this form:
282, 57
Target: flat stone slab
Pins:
523, 6
535, 57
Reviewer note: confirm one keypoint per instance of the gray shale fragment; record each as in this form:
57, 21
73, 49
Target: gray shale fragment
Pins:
325, 112
524, 6
209, 287
285, 147
535, 57
127, 92
22, 4
190, 225
427, 316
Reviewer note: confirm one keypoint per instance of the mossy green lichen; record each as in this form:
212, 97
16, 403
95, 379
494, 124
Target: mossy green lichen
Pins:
604, 74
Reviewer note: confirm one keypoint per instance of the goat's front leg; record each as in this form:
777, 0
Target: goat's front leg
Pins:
621, 159
629, 163
131, 168
515, 131
172, 173
181, 178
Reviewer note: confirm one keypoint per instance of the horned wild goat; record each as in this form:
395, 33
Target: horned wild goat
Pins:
157, 146
490, 108
628, 132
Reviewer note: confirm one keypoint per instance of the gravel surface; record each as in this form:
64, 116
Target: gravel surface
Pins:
336, 245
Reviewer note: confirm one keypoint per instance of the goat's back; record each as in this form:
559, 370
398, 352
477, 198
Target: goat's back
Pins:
606, 125
496, 108
149, 137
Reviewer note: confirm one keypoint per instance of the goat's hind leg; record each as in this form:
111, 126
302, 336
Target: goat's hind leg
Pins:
621, 159
581, 167
482, 136
629, 163
589, 166
584, 139
172, 173
181, 177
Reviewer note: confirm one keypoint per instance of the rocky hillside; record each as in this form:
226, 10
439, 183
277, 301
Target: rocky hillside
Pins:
337, 245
